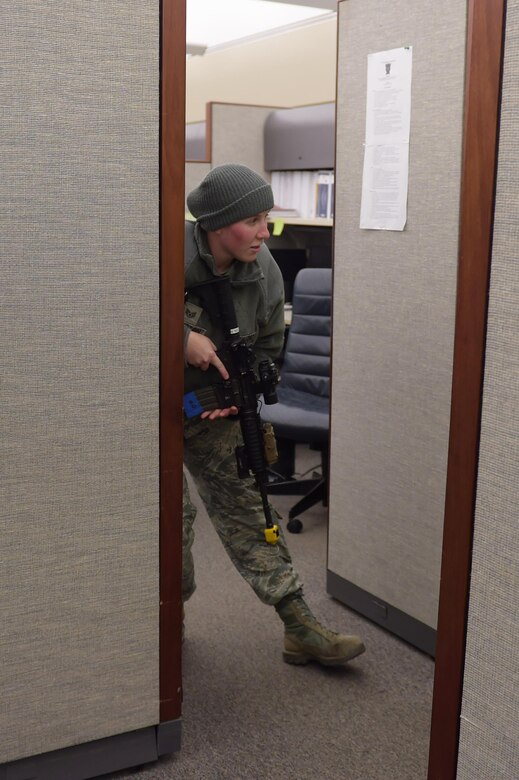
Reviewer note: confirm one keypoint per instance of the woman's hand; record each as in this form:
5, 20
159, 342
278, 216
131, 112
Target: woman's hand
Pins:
201, 353
216, 413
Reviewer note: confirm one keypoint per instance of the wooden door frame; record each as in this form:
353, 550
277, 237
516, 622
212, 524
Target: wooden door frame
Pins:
172, 211
485, 43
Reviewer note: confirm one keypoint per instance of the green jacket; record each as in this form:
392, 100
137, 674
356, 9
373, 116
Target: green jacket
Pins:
258, 296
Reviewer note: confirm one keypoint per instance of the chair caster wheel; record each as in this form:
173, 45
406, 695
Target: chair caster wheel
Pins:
295, 526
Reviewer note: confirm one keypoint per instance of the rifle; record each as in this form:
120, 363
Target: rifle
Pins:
241, 390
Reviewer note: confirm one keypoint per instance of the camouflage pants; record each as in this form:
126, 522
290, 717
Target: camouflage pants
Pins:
234, 506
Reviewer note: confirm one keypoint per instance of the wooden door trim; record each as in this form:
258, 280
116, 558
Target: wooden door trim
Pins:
172, 210
485, 33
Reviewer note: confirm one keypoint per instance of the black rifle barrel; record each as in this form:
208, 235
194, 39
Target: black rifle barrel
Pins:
222, 288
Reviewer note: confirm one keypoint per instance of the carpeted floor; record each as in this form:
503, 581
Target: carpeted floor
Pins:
249, 716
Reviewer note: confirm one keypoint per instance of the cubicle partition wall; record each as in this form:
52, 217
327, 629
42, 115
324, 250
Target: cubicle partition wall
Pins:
195, 172
394, 312
418, 459
196, 141
236, 133
80, 688
233, 133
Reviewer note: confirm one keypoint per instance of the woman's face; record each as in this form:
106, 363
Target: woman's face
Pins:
240, 241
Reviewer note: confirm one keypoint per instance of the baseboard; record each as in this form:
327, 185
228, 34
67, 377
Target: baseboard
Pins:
383, 614
92, 759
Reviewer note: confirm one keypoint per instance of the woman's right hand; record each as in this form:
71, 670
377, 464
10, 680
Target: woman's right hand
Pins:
201, 353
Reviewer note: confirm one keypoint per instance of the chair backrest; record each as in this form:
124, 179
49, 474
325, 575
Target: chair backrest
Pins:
306, 362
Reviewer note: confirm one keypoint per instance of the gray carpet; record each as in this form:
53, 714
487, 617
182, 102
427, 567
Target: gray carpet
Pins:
249, 716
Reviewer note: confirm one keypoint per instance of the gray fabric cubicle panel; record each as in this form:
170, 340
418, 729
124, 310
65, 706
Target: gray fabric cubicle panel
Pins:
194, 173
195, 141
489, 746
394, 309
79, 314
237, 135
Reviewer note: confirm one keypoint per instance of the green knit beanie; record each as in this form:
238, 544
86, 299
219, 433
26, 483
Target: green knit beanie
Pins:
228, 194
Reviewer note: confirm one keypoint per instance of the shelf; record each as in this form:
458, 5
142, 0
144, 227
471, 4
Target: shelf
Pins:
303, 221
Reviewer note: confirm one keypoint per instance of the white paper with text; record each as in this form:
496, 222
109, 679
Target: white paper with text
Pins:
386, 152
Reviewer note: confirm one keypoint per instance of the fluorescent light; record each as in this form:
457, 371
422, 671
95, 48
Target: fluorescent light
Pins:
217, 22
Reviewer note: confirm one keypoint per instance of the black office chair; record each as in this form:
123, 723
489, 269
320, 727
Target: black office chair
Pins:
302, 413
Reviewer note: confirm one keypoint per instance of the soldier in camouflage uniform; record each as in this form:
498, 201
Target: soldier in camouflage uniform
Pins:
231, 206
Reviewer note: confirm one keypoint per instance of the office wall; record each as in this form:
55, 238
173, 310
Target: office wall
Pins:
489, 747
286, 69
394, 308
79, 326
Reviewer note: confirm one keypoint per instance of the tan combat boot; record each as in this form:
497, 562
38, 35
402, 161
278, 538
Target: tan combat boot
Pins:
307, 640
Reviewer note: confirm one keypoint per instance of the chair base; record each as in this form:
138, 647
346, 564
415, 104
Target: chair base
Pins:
282, 482
312, 490
290, 487
316, 494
